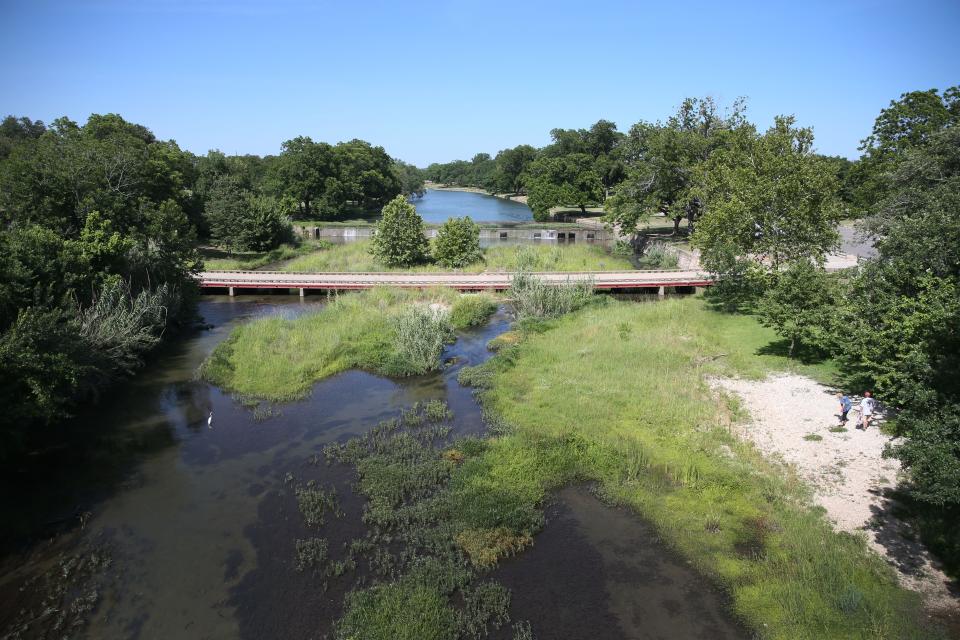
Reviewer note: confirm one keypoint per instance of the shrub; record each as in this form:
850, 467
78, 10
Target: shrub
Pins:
457, 243
472, 310
420, 335
398, 240
533, 297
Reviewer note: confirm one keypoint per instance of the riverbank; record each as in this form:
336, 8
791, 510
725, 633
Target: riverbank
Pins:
657, 440
793, 418
512, 197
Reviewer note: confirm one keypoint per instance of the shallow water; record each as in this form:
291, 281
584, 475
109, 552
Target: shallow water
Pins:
201, 526
438, 205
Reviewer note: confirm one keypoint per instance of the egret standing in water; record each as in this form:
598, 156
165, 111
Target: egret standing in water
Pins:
210, 420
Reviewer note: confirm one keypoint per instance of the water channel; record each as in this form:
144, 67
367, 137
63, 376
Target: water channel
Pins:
200, 525
437, 205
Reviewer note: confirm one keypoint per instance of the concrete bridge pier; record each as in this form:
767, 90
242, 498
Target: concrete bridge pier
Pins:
303, 292
661, 291
230, 291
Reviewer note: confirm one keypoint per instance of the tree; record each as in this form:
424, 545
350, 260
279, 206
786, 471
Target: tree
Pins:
661, 163
411, 179
302, 172
799, 305
906, 124
564, 180
768, 199
457, 243
900, 332
399, 240
511, 167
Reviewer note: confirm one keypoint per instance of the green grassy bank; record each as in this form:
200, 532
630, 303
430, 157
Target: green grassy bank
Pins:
616, 394
278, 358
355, 256
221, 260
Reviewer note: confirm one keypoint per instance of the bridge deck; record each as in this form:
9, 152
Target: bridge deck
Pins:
462, 281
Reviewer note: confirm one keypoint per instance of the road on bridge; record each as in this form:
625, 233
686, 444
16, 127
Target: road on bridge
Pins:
462, 281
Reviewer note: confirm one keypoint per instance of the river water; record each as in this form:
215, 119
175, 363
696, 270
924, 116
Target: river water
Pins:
438, 205
200, 525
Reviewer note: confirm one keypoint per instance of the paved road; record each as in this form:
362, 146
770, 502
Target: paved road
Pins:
463, 281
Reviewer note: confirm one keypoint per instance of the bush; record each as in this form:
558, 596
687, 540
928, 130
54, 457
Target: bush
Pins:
420, 335
398, 240
457, 243
472, 310
535, 298
244, 221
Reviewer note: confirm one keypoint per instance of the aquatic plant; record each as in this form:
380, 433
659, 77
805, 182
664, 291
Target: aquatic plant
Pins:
533, 297
315, 503
471, 310
419, 336
311, 553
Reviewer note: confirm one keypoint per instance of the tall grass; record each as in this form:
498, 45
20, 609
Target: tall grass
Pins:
616, 394
355, 256
534, 298
420, 335
472, 310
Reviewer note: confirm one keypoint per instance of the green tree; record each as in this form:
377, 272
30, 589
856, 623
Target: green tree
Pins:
800, 305
906, 124
565, 180
399, 240
411, 179
457, 243
900, 333
767, 199
511, 167
661, 163
302, 172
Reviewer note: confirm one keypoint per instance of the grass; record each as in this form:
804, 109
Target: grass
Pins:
355, 257
277, 358
627, 406
472, 310
220, 260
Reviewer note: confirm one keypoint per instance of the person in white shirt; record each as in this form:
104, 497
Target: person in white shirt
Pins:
866, 409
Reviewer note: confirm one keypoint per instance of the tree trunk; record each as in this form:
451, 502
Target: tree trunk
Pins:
793, 342
676, 225
583, 209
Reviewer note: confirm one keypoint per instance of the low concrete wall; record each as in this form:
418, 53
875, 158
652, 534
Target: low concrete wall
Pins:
578, 234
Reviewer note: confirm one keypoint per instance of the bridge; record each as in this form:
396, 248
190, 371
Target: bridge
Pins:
233, 281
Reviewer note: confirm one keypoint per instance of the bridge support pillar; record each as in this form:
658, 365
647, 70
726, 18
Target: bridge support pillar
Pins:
303, 292
230, 290
661, 291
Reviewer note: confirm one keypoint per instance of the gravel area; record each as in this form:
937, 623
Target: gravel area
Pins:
791, 420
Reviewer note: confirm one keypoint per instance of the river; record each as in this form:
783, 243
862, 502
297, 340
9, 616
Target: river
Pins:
199, 523
438, 205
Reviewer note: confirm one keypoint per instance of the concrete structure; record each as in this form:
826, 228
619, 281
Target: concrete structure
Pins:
505, 233
233, 281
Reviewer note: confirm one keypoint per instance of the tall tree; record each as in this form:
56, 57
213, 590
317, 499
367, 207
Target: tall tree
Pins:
662, 159
302, 172
563, 180
511, 167
767, 199
906, 124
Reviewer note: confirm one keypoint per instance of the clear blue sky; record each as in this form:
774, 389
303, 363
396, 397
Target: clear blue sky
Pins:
438, 81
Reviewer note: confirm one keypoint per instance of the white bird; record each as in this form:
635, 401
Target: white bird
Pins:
210, 420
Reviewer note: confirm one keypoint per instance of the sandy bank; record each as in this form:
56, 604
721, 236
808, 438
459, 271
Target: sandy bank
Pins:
522, 199
846, 471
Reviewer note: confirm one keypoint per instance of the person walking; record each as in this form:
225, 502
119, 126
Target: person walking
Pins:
845, 406
866, 409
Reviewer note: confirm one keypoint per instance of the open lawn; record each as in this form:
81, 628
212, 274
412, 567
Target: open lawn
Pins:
616, 394
355, 256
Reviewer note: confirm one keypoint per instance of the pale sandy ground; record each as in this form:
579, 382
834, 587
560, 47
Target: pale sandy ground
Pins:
505, 196
846, 471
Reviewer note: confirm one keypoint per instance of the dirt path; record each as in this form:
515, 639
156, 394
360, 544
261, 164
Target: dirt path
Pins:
791, 420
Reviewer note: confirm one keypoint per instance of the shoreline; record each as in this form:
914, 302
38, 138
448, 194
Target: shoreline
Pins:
435, 186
